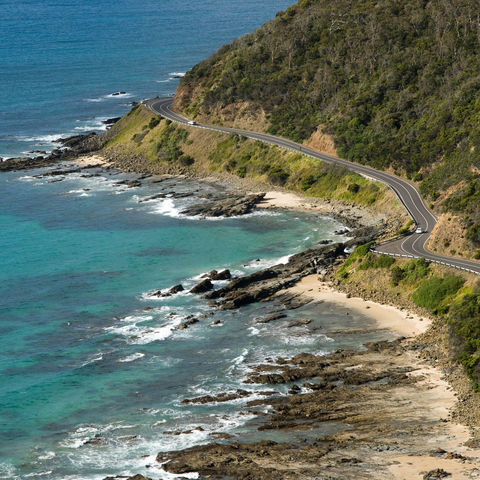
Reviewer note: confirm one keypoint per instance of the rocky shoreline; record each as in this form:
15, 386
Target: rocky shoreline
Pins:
378, 413
385, 412
385, 405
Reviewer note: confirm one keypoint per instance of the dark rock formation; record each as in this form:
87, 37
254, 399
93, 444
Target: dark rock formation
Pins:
300, 322
265, 283
111, 121
130, 183
23, 163
223, 275
437, 473
202, 287
222, 397
184, 325
222, 206
176, 289
153, 197
123, 477
271, 317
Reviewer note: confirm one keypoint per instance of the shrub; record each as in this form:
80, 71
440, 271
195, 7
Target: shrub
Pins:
406, 228
354, 187
415, 270
433, 291
359, 252
372, 261
464, 324
242, 171
397, 275
384, 261
277, 176
154, 122
186, 160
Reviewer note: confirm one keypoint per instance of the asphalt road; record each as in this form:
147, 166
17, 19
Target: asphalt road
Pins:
412, 246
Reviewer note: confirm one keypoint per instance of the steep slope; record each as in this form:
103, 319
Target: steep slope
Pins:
396, 84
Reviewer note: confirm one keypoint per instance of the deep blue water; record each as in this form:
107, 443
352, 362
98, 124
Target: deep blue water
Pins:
60, 59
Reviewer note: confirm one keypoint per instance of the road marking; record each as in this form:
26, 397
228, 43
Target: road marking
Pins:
394, 183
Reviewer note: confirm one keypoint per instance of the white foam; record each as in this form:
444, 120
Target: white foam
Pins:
95, 124
47, 456
131, 358
41, 138
7, 471
110, 95
241, 358
141, 335
253, 331
120, 95
306, 340
165, 206
164, 361
82, 434
27, 178
126, 458
267, 262
177, 74
94, 358
40, 474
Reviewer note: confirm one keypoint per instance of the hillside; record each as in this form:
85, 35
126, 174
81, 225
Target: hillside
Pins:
396, 84
142, 141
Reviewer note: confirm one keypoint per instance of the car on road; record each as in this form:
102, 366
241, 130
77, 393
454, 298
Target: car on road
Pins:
191, 122
420, 230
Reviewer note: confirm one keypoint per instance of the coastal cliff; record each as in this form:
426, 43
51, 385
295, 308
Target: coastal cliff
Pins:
389, 84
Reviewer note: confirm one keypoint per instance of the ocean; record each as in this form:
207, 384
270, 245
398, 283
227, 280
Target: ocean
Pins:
93, 370
61, 60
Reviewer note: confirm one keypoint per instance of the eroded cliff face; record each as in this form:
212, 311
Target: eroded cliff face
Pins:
240, 114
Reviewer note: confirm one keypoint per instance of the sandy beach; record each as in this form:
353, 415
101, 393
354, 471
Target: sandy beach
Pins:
434, 396
91, 160
349, 212
404, 323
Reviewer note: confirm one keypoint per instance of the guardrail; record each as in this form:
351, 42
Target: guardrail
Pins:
469, 270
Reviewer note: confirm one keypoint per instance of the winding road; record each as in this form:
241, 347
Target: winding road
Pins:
412, 246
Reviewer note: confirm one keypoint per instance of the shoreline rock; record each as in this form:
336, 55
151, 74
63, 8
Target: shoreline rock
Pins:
230, 206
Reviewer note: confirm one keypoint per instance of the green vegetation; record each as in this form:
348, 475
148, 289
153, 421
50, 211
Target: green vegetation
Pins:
406, 228
357, 256
455, 304
395, 82
433, 292
168, 144
410, 272
376, 261
464, 323
247, 158
144, 134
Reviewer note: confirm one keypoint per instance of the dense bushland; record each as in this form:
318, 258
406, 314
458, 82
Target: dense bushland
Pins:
395, 82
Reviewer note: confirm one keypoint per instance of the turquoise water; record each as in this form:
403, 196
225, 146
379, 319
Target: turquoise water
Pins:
92, 368
61, 59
